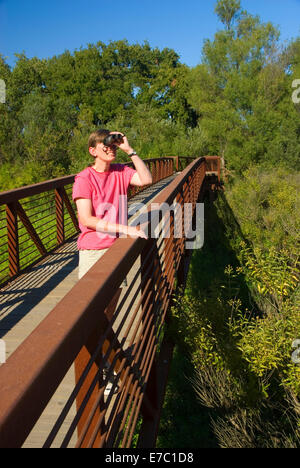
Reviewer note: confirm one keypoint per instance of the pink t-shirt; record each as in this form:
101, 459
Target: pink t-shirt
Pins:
108, 193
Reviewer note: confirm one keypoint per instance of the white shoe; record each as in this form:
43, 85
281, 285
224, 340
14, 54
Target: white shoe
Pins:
110, 384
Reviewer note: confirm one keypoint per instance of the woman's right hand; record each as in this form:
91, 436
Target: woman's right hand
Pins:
134, 231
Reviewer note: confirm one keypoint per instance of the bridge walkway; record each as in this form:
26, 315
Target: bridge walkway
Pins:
27, 300
54, 325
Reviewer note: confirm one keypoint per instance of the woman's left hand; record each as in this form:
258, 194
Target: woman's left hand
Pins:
124, 146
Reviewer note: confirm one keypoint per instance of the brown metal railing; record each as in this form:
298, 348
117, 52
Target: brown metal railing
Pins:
37, 219
101, 324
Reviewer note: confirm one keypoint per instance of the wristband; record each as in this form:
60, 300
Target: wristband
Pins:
132, 154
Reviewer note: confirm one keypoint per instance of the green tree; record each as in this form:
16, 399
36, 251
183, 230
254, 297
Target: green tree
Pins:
51, 103
228, 11
242, 93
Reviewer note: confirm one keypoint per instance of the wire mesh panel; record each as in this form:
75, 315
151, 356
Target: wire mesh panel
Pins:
40, 210
34, 221
4, 268
70, 228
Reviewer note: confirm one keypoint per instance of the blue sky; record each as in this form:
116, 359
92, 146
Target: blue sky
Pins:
49, 27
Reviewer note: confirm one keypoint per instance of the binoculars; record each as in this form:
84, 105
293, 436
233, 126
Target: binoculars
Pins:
113, 139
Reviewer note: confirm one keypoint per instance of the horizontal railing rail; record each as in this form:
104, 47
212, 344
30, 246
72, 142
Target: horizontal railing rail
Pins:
109, 332
213, 164
37, 219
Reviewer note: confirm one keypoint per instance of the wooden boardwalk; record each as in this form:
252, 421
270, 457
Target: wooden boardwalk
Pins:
25, 302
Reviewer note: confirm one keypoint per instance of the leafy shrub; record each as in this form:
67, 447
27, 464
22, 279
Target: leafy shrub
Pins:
242, 349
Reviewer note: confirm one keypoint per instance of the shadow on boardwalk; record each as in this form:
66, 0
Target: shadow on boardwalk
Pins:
18, 298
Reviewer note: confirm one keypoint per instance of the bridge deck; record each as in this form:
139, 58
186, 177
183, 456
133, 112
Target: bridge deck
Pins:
26, 301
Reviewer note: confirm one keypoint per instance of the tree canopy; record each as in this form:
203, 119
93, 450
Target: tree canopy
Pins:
235, 103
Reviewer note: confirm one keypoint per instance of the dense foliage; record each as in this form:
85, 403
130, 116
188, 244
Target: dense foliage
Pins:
237, 103
53, 105
239, 316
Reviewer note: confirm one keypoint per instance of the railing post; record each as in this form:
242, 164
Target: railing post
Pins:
158, 170
177, 163
151, 403
171, 167
152, 170
13, 239
219, 170
165, 168
182, 268
59, 206
87, 424
69, 207
81, 362
149, 290
161, 169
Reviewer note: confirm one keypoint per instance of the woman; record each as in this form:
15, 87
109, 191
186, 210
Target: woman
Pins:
100, 193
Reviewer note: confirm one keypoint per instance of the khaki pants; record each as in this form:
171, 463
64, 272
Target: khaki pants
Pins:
87, 258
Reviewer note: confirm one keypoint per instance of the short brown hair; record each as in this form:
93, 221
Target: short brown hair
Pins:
97, 137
